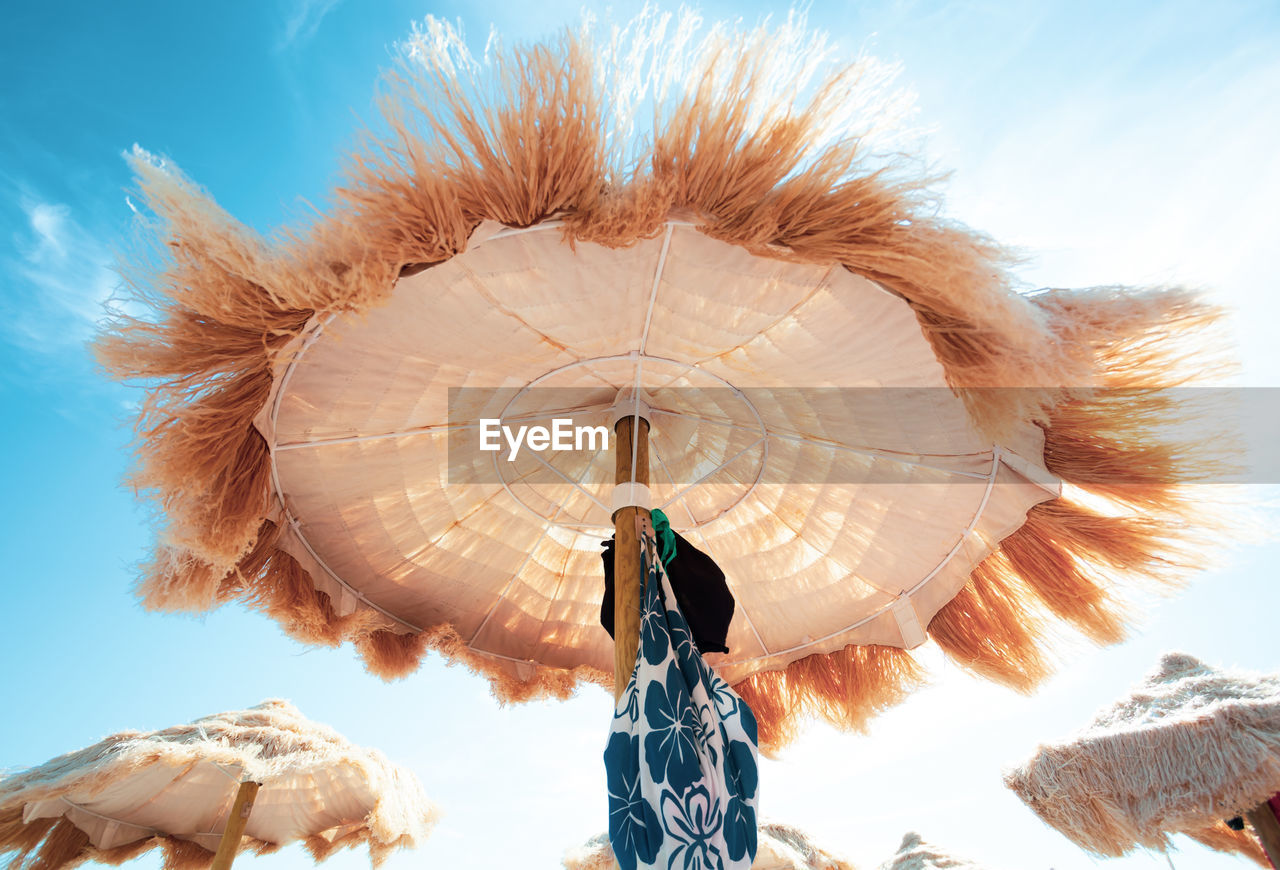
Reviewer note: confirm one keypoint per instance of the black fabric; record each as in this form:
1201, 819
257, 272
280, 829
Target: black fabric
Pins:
701, 592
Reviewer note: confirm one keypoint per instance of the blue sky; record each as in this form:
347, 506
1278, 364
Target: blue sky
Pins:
1111, 143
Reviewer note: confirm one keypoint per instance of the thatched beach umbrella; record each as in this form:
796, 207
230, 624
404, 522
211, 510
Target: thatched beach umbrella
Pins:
850, 407
259, 779
1190, 746
781, 847
915, 854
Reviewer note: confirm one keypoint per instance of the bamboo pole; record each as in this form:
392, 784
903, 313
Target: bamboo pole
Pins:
627, 581
236, 821
1264, 824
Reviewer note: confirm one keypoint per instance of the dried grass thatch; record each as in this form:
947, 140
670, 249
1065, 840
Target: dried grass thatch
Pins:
780, 847
772, 149
915, 854
1191, 745
172, 789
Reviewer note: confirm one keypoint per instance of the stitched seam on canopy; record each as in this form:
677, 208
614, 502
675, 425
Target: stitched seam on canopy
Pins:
991, 481
865, 451
697, 528
429, 429
763, 333
106, 818
547, 524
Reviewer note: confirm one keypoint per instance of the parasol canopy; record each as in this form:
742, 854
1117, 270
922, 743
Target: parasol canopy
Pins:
852, 409
916, 854
1189, 746
174, 788
781, 847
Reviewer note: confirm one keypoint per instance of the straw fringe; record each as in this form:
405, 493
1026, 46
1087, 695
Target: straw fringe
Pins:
1133, 438
846, 688
1223, 839
991, 629
266, 741
771, 148
1191, 745
54, 844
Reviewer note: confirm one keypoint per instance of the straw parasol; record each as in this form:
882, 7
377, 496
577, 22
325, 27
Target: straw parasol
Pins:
262, 777
1191, 745
916, 854
781, 847
518, 236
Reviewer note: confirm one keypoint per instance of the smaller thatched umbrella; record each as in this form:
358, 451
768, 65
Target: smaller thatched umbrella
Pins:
266, 773
1191, 745
916, 854
780, 847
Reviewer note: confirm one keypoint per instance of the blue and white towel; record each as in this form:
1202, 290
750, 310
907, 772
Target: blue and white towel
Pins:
681, 757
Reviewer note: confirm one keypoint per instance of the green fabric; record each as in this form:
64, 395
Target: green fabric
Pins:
662, 527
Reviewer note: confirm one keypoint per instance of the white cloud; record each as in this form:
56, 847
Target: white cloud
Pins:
48, 222
304, 21
1166, 180
59, 280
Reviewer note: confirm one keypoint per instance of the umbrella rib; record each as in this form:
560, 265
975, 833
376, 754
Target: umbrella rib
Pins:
293, 521
180, 774
809, 297
679, 496
293, 364
862, 451
296, 525
564, 567
556, 223
547, 524
657, 281
996, 454
107, 818
701, 534
233, 777
850, 572
432, 428
576, 484
897, 459
480, 289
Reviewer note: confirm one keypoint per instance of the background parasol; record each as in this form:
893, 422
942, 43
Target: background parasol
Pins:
177, 789
1190, 746
1064, 137
303, 481
916, 854
781, 847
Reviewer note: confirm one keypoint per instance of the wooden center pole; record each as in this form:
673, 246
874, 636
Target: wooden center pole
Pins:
627, 581
1264, 824
239, 817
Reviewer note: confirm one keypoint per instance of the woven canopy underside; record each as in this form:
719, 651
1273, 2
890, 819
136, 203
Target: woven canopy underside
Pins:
833, 528
751, 235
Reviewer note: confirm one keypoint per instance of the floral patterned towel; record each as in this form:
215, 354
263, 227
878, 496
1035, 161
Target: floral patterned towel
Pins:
681, 757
